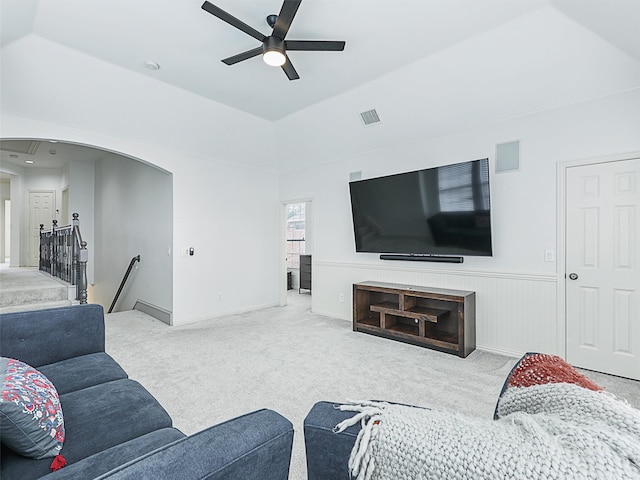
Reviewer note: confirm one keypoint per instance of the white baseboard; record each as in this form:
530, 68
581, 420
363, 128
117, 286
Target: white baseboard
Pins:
156, 312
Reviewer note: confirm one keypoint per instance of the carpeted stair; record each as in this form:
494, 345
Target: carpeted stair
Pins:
24, 289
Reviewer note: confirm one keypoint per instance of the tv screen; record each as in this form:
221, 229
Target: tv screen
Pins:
437, 211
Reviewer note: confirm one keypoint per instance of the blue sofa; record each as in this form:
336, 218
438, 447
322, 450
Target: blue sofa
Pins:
115, 429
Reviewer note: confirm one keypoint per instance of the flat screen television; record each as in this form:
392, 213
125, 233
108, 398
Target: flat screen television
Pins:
444, 210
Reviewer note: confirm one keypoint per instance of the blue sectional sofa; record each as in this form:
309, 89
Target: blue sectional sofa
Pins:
115, 429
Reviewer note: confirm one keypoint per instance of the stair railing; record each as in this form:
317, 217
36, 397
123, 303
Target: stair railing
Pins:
124, 280
64, 254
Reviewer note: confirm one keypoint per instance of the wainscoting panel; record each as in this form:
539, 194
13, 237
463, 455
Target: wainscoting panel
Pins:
515, 313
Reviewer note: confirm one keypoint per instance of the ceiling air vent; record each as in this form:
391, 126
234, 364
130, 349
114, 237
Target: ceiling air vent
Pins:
370, 117
28, 147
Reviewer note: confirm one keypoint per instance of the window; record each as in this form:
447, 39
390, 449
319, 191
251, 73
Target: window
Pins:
295, 234
464, 187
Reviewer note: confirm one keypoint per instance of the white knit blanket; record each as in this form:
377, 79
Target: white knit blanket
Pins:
552, 431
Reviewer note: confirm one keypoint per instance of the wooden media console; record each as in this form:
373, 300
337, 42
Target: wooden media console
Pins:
436, 318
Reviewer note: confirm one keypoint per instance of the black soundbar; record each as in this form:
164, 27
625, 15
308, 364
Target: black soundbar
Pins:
414, 257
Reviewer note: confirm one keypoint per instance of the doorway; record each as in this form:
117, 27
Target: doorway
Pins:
41, 212
602, 266
296, 247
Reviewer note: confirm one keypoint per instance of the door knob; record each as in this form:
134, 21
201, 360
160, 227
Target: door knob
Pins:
573, 276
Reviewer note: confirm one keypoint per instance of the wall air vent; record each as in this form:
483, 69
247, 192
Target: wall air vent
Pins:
370, 117
27, 147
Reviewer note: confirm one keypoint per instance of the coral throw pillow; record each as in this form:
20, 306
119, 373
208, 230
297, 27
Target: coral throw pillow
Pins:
540, 368
31, 421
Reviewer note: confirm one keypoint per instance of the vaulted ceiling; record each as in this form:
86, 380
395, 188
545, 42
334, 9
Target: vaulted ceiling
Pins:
381, 37
430, 67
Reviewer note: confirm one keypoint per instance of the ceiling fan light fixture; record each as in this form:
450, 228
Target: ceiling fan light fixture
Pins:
274, 58
273, 52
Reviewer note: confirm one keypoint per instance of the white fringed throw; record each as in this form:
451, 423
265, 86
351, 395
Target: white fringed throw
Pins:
551, 431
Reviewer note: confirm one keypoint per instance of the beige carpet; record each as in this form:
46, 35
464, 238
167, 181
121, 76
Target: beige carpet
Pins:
27, 288
287, 358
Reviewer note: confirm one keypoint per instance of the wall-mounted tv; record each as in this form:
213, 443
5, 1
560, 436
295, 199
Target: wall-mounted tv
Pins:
437, 211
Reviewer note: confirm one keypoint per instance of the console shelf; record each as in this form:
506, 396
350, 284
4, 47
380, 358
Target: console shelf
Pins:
431, 317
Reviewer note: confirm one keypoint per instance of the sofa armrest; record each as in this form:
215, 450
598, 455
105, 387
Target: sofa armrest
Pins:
328, 452
41, 337
255, 446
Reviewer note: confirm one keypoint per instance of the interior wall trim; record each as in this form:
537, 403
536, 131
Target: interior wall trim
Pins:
156, 312
537, 277
515, 311
500, 351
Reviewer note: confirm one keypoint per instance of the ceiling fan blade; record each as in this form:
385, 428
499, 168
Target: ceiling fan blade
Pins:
231, 20
254, 52
285, 17
289, 70
315, 45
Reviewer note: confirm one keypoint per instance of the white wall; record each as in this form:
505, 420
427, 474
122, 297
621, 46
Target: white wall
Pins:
225, 197
81, 179
134, 216
17, 205
223, 161
507, 72
453, 106
5, 218
230, 216
516, 288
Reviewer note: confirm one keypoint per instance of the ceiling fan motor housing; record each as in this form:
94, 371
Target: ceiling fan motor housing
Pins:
273, 43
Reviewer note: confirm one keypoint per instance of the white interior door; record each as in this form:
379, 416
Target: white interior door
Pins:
41, 211
603, 272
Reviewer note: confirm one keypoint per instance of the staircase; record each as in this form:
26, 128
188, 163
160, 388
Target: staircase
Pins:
24, 289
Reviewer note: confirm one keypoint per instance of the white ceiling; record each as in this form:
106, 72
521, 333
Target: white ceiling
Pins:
44, 154
188, 43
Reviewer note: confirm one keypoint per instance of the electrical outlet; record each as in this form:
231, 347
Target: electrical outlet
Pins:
549, 256
341, 298
219, 296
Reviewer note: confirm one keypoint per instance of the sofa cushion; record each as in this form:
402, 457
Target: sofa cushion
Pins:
31, 421
109, 414
47, 336
82, 372
102, 462
96, 418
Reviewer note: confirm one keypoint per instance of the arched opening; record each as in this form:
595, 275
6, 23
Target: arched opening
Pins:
125, 206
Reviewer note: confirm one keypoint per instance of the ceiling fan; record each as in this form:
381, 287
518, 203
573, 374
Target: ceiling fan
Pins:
274, 47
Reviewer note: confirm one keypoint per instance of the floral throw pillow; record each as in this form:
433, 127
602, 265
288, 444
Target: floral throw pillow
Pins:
31, 421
